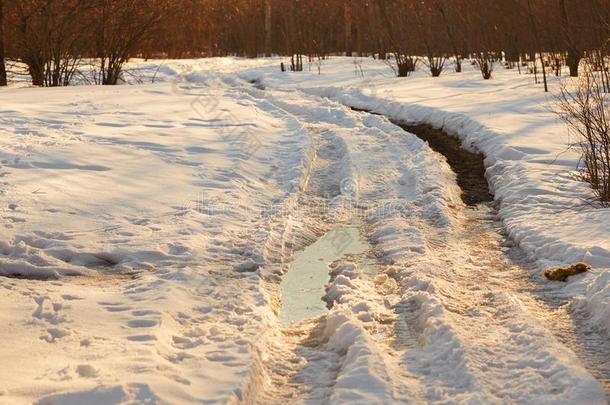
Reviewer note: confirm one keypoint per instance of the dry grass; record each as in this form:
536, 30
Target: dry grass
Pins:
562, 273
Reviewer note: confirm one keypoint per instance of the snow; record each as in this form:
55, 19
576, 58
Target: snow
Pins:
151, 204
176, 208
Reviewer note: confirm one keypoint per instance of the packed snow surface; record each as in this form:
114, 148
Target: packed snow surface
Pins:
146, 230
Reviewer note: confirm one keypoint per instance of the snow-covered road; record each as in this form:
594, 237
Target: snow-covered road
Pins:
146, 231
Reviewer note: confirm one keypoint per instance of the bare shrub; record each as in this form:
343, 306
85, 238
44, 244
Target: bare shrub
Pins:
485, 63
586, 111
3, 79
48, 38
296, 63
436, 65
405, 64
120, 29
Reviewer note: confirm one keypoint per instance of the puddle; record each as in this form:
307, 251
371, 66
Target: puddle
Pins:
303, 286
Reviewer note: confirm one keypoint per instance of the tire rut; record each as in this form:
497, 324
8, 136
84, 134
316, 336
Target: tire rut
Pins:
300, 367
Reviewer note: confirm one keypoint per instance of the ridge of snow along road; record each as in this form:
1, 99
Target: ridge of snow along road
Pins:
530, 169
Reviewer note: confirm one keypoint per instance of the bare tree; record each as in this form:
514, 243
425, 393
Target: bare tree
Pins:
121, 27
268, 15
66, 42
397, 32
538, 44
443, 11
49, 38
574, 53
3, 79
29, 39
347, 7
431, 36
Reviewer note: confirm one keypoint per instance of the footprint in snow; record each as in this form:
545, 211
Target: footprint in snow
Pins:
14, 219
55, 334
183, 343
220, 357
69, 297
142, 338
144, 312
139, 221
142, 323
114, 306
122, 308
181, 380
86, 371
50, 312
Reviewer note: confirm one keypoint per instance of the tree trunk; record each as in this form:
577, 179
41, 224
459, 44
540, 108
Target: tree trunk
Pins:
546, 86
268, 28
3, 81
537, 39
574, 55
348, 27
573, 61
112, 77
458, 59
36, 71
